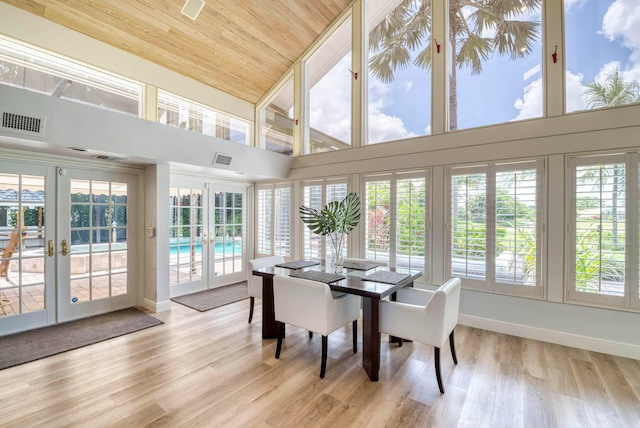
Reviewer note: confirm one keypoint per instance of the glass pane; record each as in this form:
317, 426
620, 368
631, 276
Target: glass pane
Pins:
602, 51
468, 225
600, 229
400, 50
118, 284
21, 243
516, 231
189, 115
496, 57
330, 94
40, 71
276, 132
80, 289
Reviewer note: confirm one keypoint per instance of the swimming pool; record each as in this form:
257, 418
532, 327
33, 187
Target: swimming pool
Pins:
219, 247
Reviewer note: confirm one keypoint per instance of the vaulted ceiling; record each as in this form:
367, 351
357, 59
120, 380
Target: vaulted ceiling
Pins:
241, 47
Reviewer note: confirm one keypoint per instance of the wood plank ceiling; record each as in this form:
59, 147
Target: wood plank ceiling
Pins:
241, 47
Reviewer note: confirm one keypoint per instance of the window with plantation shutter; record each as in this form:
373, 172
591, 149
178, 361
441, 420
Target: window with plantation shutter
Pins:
273, 223
495, 227
603, 249
264, 221
316, 195
396, 228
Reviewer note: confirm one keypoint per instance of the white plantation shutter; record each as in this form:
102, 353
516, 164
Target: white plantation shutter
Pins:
516, 206
395, 215
316, 195
468, 229
601, 238
411, 228
274, 220
265, 204
377, 217
282, 222
495, 213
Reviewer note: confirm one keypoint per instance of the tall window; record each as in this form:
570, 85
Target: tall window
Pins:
274, 220
329, 80
400, 52
495, 62
495, 222
40, 71
396, 214
602, 51
316, 195
186, 114
604, 250
276, 121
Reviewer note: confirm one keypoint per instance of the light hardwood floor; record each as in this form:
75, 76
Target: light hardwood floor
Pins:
213, 369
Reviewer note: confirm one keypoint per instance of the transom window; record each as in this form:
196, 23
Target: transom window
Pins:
40, 71
180, 112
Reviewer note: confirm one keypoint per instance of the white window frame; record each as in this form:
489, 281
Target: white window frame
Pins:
273, 234
631, 298
490, 283
325, 246
393, 178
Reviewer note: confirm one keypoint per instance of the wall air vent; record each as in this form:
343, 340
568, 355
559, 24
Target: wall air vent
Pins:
222, 159
21, 124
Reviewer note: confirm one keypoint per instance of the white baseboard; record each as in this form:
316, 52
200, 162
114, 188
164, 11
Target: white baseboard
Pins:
558, 337
157, 307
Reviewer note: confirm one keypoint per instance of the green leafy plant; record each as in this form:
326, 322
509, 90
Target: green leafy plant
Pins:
336, 220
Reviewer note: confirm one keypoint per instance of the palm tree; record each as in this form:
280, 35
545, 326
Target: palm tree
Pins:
613, 91
395, 39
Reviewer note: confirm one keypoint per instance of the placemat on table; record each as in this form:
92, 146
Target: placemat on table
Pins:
298, 264
359, 265
326, 277
386, 276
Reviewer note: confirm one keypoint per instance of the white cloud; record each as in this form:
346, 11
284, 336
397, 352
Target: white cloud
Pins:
622, 21
575, 98
530, 105
330, 102
383, 127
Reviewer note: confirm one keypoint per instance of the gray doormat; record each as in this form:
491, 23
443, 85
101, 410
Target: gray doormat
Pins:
44, 342
214, 298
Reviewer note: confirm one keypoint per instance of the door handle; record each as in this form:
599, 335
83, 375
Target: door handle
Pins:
65, 247
204, 238
50, 249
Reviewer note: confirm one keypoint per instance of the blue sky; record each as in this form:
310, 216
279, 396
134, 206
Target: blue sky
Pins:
600, 35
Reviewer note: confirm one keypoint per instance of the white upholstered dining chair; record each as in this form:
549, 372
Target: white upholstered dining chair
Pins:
311, 305
254, 282
424, 316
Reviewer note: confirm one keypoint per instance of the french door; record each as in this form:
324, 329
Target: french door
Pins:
207, 235
95, 242
67, 247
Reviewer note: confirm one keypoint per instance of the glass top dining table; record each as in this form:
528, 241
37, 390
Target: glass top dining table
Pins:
372, 292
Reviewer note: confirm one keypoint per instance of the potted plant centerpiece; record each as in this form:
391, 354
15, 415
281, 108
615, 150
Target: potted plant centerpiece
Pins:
336, 220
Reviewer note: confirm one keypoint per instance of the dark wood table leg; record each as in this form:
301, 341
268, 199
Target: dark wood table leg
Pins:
269, 326
371, 337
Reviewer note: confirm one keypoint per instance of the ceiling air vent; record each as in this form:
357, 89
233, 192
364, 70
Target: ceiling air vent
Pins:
21, 124
109, 158
192, 8
222, 159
